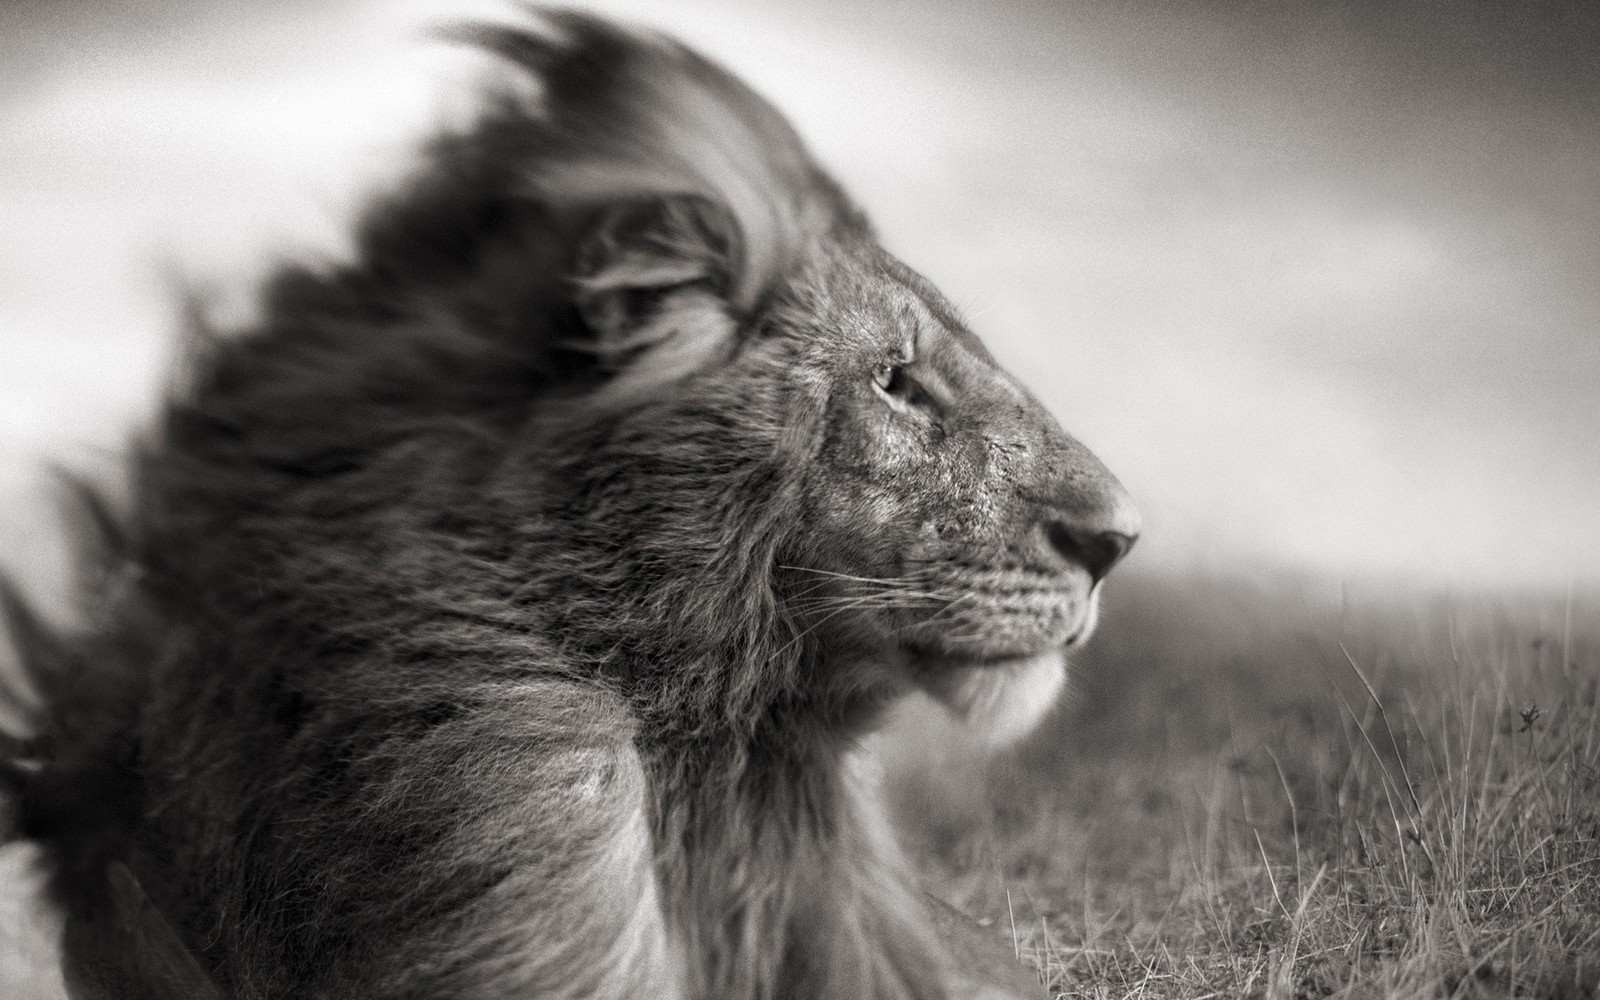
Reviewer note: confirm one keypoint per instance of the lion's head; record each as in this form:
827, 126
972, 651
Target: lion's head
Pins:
754, 340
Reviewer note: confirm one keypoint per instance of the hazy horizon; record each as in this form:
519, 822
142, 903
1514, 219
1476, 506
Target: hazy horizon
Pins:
1319, 282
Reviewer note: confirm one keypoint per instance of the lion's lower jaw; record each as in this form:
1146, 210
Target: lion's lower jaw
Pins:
1002, 702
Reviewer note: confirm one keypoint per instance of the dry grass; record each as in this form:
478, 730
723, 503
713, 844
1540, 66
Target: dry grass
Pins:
1286, 792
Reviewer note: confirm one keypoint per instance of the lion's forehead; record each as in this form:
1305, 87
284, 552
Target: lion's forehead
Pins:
867, 315
849, 294
872, 309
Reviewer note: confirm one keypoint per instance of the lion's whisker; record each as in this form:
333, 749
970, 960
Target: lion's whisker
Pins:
849, 576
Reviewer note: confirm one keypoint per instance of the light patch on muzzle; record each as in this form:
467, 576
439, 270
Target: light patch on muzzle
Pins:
1001, 703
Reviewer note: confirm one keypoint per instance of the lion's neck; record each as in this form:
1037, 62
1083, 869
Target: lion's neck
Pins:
783, 881
777, 876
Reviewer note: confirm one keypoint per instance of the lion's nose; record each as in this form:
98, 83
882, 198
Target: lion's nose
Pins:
1084, 515
1096, 550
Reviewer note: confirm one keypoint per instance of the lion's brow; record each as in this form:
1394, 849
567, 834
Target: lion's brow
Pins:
917, 319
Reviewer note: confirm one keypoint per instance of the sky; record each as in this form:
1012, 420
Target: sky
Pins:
1320, 281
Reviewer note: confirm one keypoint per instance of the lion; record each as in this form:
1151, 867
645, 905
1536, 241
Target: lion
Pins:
504, 613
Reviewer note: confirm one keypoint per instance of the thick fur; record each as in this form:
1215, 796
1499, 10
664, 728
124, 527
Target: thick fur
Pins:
502, 615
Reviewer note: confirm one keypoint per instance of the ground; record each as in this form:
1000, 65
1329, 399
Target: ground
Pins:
1280, 787
1295, 789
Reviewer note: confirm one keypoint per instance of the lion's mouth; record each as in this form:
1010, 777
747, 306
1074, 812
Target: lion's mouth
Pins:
991, 629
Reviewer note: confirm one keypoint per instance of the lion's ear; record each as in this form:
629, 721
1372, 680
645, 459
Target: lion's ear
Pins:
652, 284
628, 117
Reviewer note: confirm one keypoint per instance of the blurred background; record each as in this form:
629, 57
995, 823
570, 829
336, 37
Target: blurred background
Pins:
1318, 280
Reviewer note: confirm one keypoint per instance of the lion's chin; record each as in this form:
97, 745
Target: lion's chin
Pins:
1003, 700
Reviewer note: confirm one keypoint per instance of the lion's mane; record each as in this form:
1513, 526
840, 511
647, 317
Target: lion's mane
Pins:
387, 658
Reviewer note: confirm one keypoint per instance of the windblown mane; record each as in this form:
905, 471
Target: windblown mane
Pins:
388, 565
376, 391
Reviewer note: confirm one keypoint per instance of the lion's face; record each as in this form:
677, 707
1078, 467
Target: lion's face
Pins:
945, 510
745, 311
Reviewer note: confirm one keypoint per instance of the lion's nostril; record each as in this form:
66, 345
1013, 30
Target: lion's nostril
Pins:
1095, 551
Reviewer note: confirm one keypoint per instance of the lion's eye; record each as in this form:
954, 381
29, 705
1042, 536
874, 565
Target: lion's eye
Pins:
891, 380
